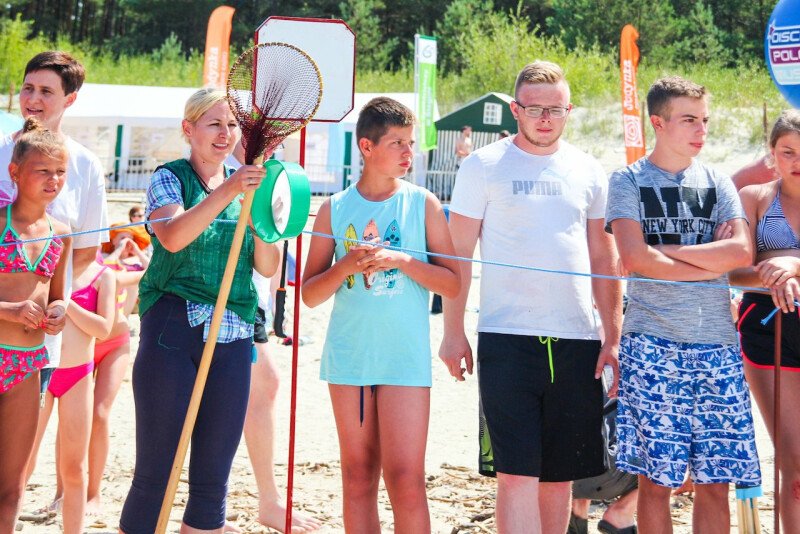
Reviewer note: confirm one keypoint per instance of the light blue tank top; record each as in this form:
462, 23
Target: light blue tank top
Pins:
379, 331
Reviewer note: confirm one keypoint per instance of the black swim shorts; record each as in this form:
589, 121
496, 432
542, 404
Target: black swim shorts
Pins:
543, 421
758, 340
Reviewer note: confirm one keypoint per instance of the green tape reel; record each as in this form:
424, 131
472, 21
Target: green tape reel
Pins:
282, 203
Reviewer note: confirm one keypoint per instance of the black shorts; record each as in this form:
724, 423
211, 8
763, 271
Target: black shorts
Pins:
538, 428
260, 326
758, 341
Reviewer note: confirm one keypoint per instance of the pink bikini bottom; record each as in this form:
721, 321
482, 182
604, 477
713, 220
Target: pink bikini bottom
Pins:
104, 348
65, 378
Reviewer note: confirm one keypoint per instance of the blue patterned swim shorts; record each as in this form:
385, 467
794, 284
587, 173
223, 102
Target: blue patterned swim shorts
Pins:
684, 404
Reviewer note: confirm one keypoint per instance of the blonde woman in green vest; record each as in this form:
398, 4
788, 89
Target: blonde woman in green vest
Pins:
177, 295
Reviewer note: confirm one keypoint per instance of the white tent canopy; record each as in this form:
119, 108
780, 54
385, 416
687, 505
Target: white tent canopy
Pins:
131, 104
130, 128
134, 128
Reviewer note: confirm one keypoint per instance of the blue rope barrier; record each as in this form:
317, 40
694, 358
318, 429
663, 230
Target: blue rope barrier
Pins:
437, 255
539, 269
769, 317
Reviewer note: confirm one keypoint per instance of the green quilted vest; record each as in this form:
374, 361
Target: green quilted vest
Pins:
195, 273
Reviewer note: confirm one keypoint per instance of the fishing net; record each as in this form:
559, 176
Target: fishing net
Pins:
274, 89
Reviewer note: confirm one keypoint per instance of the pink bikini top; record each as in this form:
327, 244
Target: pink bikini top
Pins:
86, 297
14, 259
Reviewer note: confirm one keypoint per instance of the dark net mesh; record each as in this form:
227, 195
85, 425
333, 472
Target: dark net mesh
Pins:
274, 89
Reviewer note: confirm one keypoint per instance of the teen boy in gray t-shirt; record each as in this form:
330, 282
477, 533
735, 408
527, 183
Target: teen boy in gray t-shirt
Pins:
683, 401
676, 209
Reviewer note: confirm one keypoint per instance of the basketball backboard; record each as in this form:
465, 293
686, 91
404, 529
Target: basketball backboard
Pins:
332, 45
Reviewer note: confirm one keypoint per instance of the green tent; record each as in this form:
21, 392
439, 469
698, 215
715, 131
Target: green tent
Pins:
488, 116
489, 113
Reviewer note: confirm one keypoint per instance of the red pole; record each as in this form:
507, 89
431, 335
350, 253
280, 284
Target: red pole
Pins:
295, 349
777, 420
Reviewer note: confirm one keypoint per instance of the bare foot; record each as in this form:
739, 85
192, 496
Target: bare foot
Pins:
230, 527
686, 488
94, 507
273, 515
54, 506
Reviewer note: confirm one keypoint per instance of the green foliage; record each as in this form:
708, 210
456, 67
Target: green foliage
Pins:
15, 50
462, 19
695, 39
587, 23
482, 46
592, 73
681, 31
373, 50
674, 31
384, 81
165, 66
148, 22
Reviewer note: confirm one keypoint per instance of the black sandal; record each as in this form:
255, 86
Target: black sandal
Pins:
577, 525
607, 528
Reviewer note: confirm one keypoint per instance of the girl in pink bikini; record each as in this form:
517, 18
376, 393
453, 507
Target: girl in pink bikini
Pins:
31, 300
90, 315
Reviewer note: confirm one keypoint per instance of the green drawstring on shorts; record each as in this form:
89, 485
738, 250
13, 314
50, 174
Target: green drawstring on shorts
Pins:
547, 341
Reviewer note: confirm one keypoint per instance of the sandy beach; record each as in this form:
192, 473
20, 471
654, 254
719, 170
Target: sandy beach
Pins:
460, 499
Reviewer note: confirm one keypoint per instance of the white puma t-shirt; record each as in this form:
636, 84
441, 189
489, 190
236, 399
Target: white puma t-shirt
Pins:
534, 212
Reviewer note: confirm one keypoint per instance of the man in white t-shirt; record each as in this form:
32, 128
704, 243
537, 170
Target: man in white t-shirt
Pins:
51, 84
537, 201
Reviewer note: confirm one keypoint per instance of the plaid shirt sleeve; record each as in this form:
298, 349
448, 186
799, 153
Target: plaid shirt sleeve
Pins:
164, 189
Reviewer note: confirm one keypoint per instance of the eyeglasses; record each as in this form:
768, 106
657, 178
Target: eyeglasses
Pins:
555, 112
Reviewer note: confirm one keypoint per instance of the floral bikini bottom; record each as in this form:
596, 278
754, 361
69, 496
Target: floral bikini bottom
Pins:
18, 363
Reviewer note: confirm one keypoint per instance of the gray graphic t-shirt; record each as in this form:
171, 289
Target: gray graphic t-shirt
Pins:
675, 209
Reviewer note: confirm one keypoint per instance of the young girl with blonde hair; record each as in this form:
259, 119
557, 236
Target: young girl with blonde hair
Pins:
31, 300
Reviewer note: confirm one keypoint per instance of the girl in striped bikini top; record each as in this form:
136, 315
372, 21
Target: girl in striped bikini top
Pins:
773, 231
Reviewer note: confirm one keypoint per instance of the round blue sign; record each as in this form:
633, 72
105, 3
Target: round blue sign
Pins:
782, 49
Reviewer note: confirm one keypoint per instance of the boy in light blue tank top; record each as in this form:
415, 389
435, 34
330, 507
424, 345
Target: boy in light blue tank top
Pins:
378, 334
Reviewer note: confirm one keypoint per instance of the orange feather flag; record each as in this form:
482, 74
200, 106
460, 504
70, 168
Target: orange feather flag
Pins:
631, 120
218, 41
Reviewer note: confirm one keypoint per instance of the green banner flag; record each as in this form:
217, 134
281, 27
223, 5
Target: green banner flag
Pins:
425, 78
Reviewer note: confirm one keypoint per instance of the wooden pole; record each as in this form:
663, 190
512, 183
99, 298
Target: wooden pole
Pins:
777, 420
747, 510
205, 361
295, 357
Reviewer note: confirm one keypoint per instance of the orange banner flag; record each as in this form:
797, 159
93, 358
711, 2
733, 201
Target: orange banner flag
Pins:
218, 41
631, 120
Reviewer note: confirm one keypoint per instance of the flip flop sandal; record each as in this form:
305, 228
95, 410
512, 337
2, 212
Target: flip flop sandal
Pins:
577, 525
607, 528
